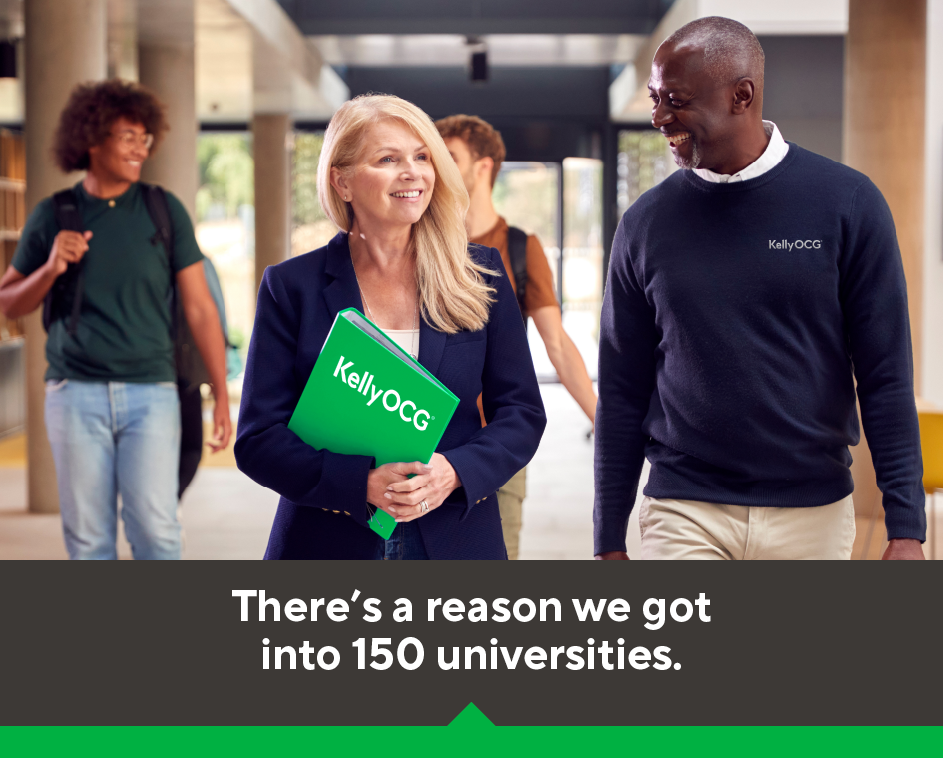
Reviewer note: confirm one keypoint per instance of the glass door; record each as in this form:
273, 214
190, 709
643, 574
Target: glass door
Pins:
562, 205
528, 195
583, 255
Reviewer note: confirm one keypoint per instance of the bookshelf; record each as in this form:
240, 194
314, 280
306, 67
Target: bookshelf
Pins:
12, 209
12, 218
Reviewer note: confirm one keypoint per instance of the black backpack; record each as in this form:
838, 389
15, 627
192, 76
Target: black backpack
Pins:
64, 299
517, 252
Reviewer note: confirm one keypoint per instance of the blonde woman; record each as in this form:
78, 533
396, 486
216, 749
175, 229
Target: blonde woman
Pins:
402, 257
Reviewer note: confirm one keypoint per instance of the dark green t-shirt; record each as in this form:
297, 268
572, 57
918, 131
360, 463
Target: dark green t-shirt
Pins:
124, 329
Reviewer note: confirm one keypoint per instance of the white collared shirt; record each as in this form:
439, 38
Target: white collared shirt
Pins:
775, 151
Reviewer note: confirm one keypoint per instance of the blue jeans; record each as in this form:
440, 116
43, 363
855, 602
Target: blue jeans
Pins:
405, 544
111, 438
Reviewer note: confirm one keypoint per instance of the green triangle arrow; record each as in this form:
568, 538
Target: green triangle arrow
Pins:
471, 718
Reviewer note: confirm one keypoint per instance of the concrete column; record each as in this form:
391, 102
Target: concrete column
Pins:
885, 90
885, 87
123, 39
167, 66
65, 45
931, 386
270, 141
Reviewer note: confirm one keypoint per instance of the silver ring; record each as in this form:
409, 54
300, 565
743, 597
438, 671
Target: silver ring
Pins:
425, 506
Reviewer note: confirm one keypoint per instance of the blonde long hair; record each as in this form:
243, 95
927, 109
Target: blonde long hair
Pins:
453, 295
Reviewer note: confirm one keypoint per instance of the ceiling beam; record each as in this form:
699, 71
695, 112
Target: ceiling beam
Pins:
475, 17
289, 74
477, 26
251, 58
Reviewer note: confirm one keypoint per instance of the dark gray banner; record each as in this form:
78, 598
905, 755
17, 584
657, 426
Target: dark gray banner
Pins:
643, 643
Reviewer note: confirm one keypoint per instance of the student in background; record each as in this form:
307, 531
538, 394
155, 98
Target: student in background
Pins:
478, 150
112, 411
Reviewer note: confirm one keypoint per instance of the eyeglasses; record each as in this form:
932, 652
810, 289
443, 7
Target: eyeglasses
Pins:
130, 139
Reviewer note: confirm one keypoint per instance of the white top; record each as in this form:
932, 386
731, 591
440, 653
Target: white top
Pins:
408, 339
775, 151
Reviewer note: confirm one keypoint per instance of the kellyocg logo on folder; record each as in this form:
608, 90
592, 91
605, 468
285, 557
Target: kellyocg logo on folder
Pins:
366, 396
391, 398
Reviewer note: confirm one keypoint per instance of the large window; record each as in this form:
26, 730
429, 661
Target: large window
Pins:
225, 223
225, 215
310, 226
529, 196
643, 161
526, 195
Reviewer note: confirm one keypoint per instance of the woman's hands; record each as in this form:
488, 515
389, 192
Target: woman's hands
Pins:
389, 488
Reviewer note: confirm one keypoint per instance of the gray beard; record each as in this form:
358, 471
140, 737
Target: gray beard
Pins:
694, 161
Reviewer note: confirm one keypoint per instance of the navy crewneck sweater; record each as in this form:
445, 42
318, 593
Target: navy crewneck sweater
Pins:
736, 320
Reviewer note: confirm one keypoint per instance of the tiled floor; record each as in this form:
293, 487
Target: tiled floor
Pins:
225, 515
558, 511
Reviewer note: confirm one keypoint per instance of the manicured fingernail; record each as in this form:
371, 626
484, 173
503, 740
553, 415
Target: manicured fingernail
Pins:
399, 521
387, 495
392, 510
427, 467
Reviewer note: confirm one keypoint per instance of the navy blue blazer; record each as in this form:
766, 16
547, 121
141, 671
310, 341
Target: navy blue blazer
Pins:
323, 510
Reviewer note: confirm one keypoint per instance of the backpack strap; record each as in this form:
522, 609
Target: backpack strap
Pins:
68, 218
155, 199
517, 252
67, 211
191, 371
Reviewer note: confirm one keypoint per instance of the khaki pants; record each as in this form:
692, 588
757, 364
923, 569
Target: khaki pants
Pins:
693, 530
511, 504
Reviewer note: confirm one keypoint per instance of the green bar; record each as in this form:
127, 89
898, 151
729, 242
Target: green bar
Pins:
392, 742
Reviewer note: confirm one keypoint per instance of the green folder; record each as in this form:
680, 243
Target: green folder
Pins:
367, 396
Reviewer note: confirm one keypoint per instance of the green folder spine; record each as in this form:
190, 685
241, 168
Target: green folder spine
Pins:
366, 396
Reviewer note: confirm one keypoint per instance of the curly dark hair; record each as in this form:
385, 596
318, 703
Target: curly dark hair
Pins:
87, 119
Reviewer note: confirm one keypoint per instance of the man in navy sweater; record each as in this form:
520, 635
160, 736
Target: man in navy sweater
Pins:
745, 296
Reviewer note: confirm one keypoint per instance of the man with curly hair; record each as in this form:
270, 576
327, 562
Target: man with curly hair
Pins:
112, 413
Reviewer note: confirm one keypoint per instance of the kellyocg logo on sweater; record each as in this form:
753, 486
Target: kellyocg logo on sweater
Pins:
797, 244
391, 398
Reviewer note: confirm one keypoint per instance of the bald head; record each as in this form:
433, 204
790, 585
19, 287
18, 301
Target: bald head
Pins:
730, 50
706, 87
